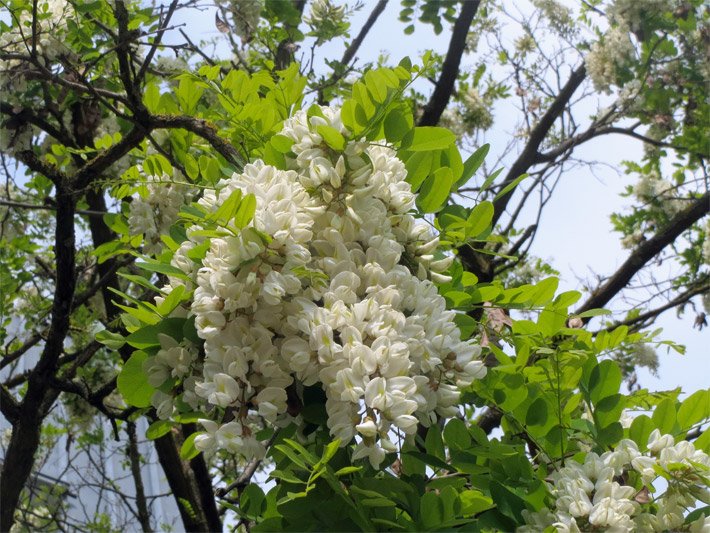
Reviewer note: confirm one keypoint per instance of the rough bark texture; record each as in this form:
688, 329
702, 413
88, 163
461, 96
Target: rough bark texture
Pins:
38, 399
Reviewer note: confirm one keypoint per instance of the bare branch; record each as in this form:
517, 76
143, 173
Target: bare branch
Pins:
645, 251
529, 156
351, 50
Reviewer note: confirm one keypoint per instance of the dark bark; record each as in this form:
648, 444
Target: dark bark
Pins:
135, 460
101, 234
38, 399
184, 491
450, 69
204, 485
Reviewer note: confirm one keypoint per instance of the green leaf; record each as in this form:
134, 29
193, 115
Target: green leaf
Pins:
397, 124
484, 293
347, 470
245, 211
332, 137
158, 428
544, 291
292, 456
512, 185
410, 464
703, 441
132, 382
472, 164
664, 416
594, 312
551, 320
147, 336
479, 221
431, 511
429, 460
456, 435
474, 502
282, 143
140, 280
537, 413
112, 340
457, 299
427, 138
376, 86
604, 381
227, 210
610, 435
418, 167
329, 451
286, 476
466, 324
172, 300
608, 409
188, 450
640, 429
162, 268
252, 500
695, 408
507, 501
434, 443
435, 190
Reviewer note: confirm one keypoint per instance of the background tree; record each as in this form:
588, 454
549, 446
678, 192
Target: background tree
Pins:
117, 129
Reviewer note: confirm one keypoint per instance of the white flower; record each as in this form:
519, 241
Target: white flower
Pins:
657, 442
316, 290
368, 428
223, 390
372, 452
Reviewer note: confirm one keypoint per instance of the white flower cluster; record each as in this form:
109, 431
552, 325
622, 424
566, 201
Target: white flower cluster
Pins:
590, 495
324, 12
316, 293
559, 15
613, 51
156, 208
652, 188
51, 22
50, 27
472, 114
246, 14
633, 12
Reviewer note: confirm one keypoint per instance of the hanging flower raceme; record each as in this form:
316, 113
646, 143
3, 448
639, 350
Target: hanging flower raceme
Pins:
593, 495
330, 286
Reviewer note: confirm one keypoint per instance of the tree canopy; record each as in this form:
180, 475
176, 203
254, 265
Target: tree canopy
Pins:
300, 282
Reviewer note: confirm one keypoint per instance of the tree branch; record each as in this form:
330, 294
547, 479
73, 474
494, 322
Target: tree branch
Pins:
645, 252
204, 129
640, 320
530, 156
351, 50
248, 473
8, 405
39, 397
450, 69
23, 205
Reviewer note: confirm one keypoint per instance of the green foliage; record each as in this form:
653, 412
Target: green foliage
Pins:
557, 384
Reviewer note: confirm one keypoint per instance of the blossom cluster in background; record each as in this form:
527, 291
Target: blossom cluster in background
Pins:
594, 495
330, 286
155, 208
